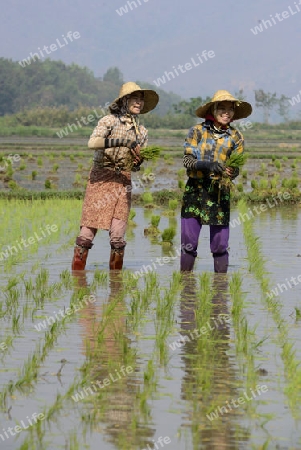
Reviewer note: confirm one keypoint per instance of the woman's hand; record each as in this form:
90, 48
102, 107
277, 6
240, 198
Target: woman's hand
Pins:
231, 172
135, 150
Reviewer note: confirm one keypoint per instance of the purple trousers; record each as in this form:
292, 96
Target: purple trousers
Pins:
219, 239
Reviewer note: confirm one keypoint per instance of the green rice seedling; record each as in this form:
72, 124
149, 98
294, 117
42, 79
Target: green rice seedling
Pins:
147, 198
277, 164
235, 291
40, 161
254, 184
55, 167
263, 183
236, 160
16, 324
291, 364
168, 235
262, 171
66, 279
13, 185
9, 172
274, 181
100, 277
77, 180
244, 174
181, 184
153, 230
151, 152
172, 204
42, 279
240, 187
22, 166
34, 174
155, 220
132, 214
48, 184
181, 172
297, 313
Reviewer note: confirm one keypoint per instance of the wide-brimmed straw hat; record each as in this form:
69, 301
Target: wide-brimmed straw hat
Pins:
151, 97
242, 109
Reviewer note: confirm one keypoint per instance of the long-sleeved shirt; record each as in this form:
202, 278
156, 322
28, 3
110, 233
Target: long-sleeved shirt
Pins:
204, 144
115, 127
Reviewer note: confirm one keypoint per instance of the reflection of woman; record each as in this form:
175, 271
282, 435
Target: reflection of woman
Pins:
117, 140
210, 375
206, 202
113, 375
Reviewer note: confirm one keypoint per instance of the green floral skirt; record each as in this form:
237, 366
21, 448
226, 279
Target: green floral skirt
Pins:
206, 201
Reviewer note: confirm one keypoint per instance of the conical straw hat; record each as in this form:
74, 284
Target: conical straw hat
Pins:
151, 98
242, 109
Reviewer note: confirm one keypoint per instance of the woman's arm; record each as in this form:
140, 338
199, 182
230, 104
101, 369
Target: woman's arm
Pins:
191, 159
138, 159
99, 139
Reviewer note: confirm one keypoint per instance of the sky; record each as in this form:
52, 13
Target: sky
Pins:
155, 37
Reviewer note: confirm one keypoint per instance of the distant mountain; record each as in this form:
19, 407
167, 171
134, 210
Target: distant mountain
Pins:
54, 83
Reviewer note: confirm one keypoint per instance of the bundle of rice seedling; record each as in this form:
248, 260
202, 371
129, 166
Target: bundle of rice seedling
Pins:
151, 152
236, 160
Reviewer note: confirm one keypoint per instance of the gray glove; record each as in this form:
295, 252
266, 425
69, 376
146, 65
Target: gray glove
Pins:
206, 166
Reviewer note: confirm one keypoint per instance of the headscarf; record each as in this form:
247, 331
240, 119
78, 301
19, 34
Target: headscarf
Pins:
122, 111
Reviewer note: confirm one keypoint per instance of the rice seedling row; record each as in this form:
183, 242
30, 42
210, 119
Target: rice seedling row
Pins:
257, 267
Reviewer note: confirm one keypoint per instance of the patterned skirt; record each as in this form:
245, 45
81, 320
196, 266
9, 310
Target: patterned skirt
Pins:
206, 201
108, 196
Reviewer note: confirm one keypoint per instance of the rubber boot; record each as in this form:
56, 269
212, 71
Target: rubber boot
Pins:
116, 258
81, 251
221, 262
187, 262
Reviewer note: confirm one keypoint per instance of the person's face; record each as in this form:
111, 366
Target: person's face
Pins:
135, 103
224, 113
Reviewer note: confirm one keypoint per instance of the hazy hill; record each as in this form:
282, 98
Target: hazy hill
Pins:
54, 83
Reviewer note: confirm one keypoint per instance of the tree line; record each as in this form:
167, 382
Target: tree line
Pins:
53, 94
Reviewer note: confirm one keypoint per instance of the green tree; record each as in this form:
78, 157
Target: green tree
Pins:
189, 107
283, 107
266, 101
113, 75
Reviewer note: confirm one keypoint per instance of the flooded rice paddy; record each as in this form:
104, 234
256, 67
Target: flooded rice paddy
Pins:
148, 358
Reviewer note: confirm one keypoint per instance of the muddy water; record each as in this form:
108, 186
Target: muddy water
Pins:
138, 406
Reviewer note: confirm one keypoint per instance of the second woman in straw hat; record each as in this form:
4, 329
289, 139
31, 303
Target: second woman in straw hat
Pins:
116, 141
205, 201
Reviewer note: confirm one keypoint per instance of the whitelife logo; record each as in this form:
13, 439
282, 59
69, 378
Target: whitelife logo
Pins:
18, 428
167, 76
124, 9
272, 22
26, 242
53, 47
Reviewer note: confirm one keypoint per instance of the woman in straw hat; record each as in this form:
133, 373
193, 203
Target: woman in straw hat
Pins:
207, 202
116, 141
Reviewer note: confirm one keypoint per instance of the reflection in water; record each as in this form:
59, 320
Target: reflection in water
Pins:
209, 380
111, 385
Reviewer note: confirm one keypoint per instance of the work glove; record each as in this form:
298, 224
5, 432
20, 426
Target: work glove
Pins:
119, 143
234, 172
206, 166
